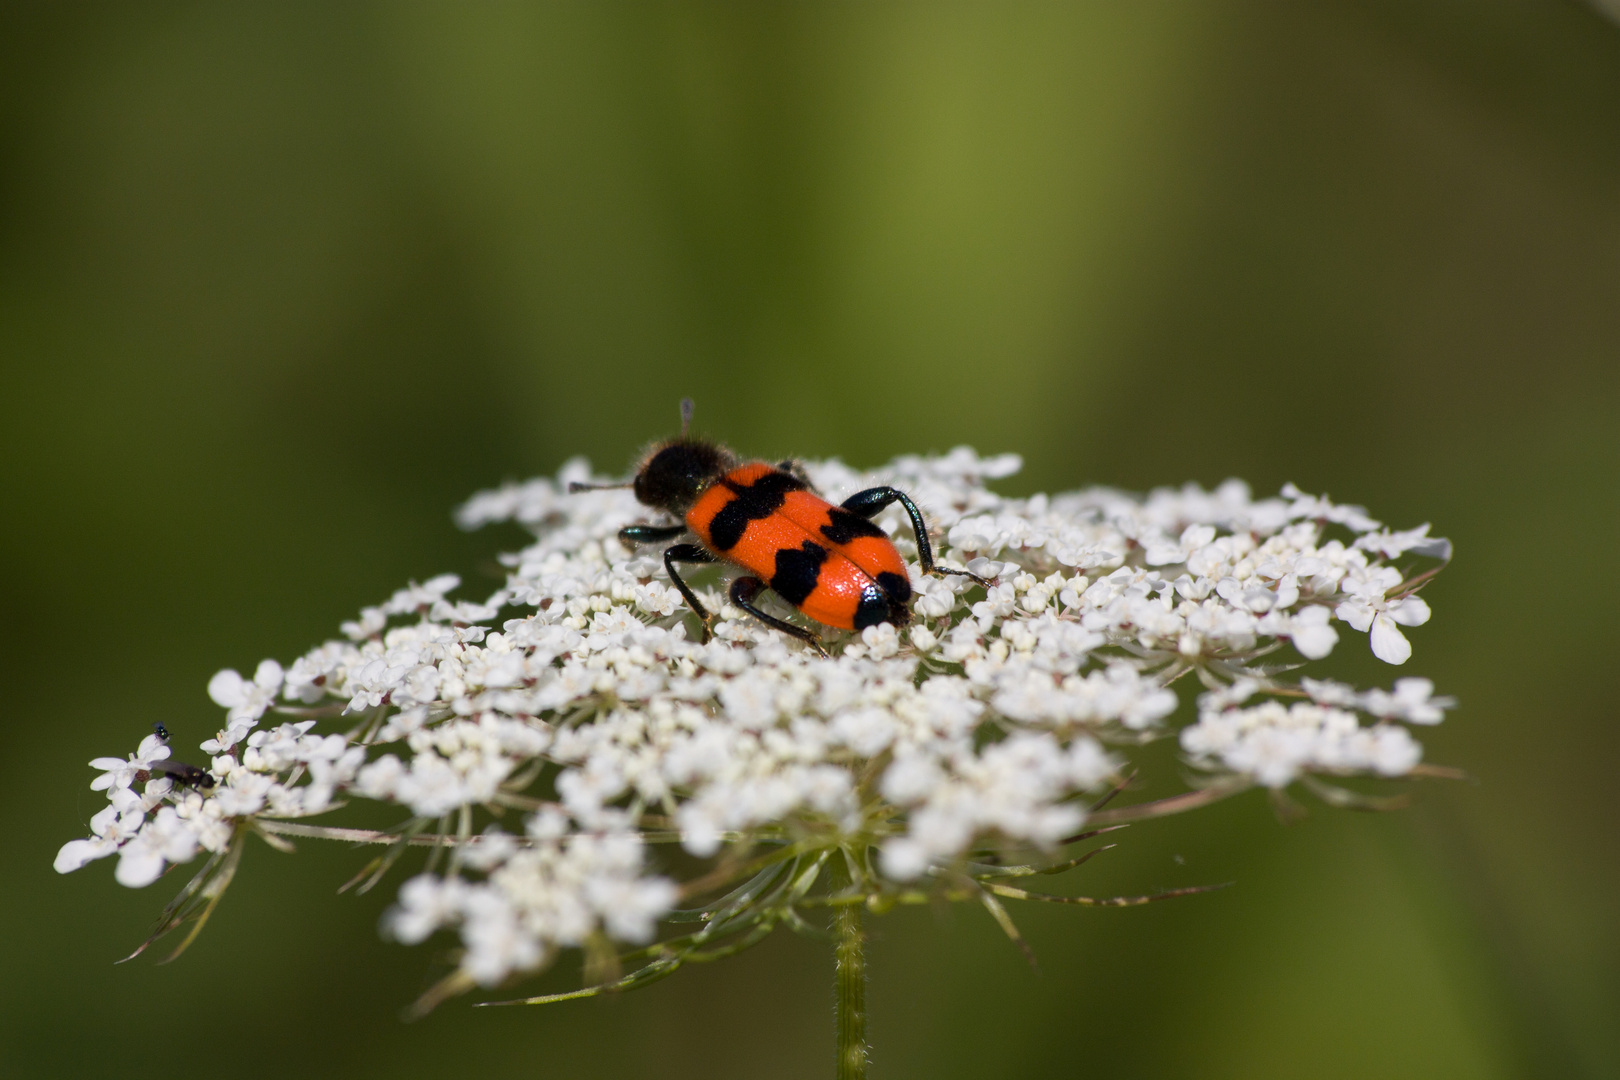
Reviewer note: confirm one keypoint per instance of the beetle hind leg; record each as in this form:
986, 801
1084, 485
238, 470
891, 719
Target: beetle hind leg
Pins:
743, 591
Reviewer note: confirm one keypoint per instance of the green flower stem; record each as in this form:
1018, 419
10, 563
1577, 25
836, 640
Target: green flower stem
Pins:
850, 961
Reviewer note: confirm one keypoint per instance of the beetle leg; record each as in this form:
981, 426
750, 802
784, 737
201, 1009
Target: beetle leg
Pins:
631, 535
743, 591
689, 553
867, 504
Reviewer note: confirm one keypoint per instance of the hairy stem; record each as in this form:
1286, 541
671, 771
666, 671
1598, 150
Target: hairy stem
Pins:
850, 962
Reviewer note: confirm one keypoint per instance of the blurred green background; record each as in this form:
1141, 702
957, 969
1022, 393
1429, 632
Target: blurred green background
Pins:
281, 284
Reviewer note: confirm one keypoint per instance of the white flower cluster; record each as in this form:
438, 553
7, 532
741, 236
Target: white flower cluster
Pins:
1274, 743
576, 697
554, 889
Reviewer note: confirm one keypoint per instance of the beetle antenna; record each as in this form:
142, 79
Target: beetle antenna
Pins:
686, 415
575, 487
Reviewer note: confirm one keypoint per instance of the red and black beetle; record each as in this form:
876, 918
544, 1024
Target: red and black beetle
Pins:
831, 562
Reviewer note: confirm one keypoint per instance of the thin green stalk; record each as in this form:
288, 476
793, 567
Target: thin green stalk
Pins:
849, 955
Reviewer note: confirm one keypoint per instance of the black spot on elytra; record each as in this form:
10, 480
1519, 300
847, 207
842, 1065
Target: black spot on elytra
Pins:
846, 526
897, 586
750, 502
877, 607
797, 570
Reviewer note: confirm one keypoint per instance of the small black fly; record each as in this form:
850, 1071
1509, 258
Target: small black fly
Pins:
191, 776
181, 773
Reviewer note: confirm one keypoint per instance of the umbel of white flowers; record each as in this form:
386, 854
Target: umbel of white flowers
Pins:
543, 743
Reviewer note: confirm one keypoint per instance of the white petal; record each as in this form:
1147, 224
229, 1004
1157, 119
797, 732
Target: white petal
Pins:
226, 688
152, 748
138, 865
1413, 611
1315, 642
1413, 691
441, 584
268, 675
700, 837
75, 853
904, 858
105, 820
1356, 614
1387, 643
1395, 752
